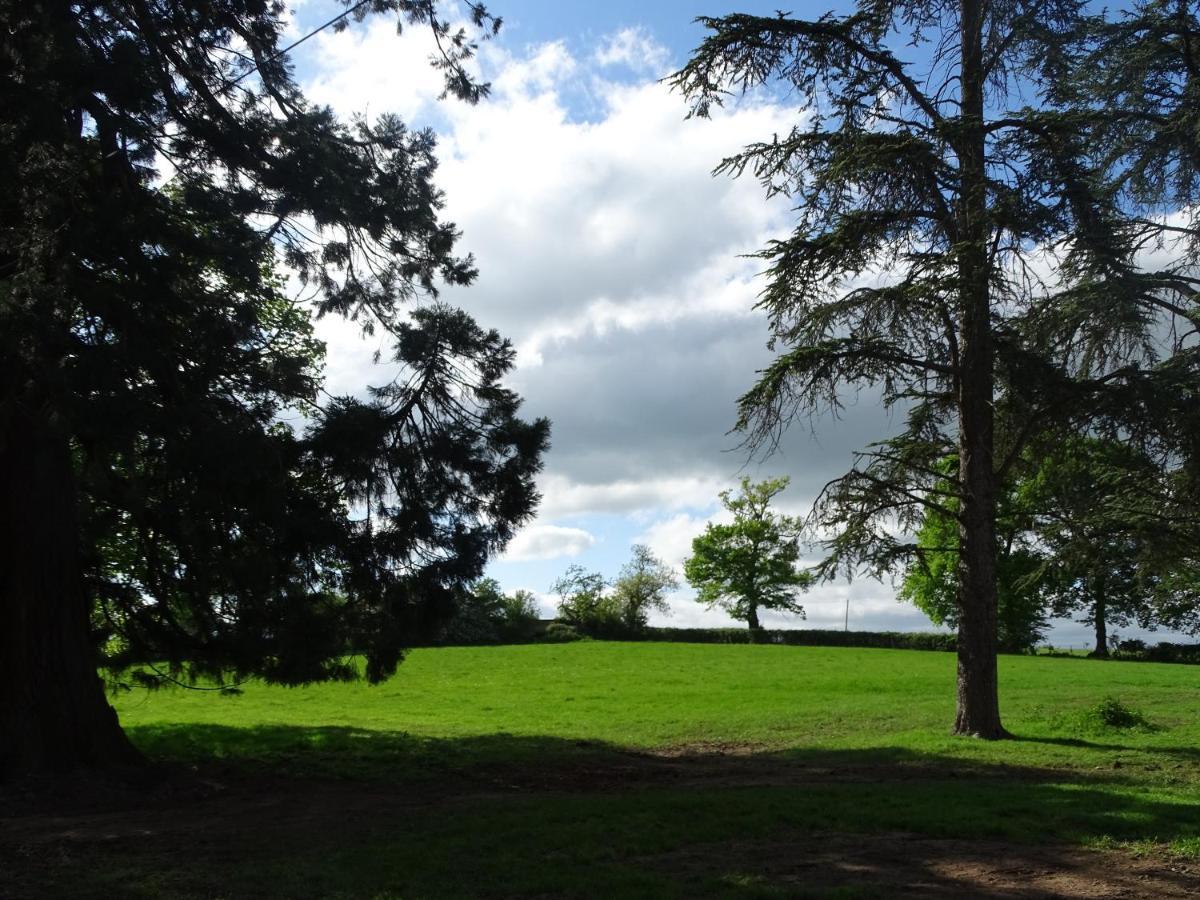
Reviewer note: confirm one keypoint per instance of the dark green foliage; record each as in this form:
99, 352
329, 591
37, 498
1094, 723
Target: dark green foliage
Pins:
486, 615
1163, 652
590, 605
1121, 544
805, 637
586, 604
560, 633
1087, 527
970, 241
1110, 714
233, 518
931, 580
751, 563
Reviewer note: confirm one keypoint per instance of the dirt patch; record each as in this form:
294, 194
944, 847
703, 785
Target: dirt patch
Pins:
910, 865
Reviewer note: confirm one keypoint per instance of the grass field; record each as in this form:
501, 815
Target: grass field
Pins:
647, 770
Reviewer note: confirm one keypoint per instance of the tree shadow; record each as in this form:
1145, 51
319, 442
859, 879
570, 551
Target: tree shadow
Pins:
1191, 754
318, 811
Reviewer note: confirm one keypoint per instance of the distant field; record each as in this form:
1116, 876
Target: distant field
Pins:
637, 769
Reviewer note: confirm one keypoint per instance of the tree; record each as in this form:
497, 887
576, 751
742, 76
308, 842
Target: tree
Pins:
1120, 549
931, 579
484, 614
751, 563
1087, 526
974, 259
519, 616
175, 488
586, 605
641, 588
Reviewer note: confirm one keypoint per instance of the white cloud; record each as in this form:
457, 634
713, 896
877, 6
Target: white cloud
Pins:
370, 69
563, 496
548, 542
671, 539
634, 48
614, 261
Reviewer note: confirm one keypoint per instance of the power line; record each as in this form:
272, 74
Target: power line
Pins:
295, 44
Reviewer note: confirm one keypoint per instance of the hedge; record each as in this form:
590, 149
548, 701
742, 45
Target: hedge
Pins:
811, 637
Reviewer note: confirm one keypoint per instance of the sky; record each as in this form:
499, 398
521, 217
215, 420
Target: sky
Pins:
615, 262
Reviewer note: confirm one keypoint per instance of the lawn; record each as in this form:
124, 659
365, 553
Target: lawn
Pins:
649, 770
632, 695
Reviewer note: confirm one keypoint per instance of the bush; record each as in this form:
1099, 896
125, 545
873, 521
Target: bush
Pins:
587, 608
1110, 714
560, 633
1186, 654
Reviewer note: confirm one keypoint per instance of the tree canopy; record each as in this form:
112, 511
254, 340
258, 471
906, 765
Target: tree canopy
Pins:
642, 586
751, 563
976, 185
173, 472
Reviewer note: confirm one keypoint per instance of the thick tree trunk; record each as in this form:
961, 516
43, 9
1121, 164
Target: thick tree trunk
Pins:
978, 711
752, 618
53, 712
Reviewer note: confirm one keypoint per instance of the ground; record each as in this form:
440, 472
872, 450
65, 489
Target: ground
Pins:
637, 770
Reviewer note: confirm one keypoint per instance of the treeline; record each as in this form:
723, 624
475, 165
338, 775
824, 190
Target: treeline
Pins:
513, 619
807, 637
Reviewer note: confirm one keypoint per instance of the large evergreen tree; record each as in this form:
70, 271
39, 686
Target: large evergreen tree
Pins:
975, 188
175, 488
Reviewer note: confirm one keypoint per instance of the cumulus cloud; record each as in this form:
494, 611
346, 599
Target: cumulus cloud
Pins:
616, 264
548, 542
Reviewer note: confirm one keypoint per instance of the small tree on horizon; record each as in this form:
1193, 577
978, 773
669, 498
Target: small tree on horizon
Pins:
642, 586
750, 563
584, 604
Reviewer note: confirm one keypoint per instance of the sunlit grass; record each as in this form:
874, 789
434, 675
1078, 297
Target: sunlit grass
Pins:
769, 697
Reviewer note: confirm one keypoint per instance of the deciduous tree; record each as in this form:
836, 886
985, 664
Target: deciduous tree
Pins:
641, 588
751, 563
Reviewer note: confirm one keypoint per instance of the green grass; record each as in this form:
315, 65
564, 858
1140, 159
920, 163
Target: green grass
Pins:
660, 695
513, 758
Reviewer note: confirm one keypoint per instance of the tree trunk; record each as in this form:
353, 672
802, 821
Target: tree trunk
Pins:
1099, 620
54, 715
752, 617
978, 711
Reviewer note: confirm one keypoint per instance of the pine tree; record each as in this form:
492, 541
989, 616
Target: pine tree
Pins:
968, 243
177, 494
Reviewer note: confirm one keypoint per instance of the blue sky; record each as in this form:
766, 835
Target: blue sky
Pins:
613, 260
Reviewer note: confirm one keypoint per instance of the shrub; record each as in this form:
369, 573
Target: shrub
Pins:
586, 607
1110, 714
560, 633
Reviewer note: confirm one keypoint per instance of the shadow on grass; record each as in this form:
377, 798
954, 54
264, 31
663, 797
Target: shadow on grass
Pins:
351, 812
1184, 753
